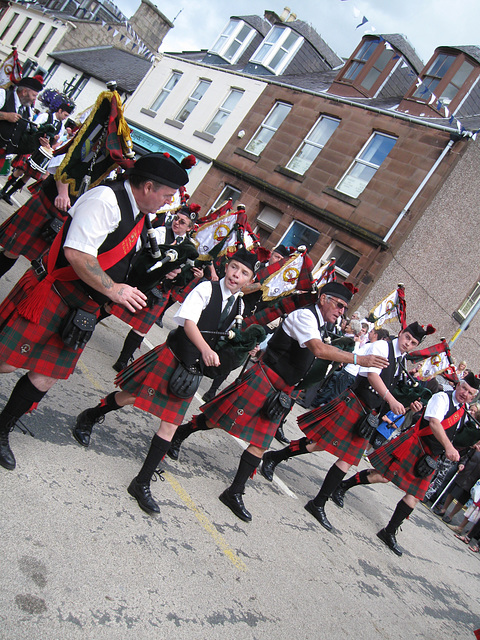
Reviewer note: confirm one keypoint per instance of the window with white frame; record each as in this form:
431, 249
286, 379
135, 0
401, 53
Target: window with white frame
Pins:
469, 302
345, 260
193, 100
316, 139
265, 132
300, 234
444, 78
168, 87
228, 192
37, 30
366, 164
233, 41
225, 109
21, 31
50, 34
277, 49
9, 26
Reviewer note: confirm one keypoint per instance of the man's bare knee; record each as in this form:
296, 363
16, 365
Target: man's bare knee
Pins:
41, 382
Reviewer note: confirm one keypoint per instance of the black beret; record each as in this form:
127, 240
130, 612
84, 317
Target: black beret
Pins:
246, 258
338, 290
30, 83
282, 250
66, 106
418, 331
472, 380
162, 168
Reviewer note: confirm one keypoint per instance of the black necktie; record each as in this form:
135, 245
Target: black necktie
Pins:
226, 311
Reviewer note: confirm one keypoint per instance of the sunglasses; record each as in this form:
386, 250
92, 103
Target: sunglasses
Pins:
339, 304
181, 220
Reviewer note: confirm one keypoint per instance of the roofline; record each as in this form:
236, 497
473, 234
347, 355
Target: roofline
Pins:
322, 94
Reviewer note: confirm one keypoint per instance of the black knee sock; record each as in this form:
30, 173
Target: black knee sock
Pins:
105, 406
8, 183
333, 478
155, 455
197, 423
358, 478
15, 186
401, 513
6, 263
247, 466
295, 448
23, 397
131, 344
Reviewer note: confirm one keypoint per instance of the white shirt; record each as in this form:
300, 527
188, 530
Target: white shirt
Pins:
94, 216
3, 95
358, 349
43, 117
197, 300
378, 348
438, 405
302, 326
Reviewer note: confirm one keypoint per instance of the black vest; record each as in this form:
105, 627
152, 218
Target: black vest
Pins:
11, 132
286, 357
364, 391
118, 272
430, 441
178, 342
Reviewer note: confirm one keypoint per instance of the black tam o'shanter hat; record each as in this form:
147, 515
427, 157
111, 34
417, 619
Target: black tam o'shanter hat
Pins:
472, 380
338, 290
162, 168
30, 83
418, 331
246, 258
282, 250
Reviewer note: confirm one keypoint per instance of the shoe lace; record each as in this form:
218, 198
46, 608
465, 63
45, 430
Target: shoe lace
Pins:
158, 475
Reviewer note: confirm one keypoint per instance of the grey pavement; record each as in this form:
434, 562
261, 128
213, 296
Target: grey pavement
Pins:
79, 559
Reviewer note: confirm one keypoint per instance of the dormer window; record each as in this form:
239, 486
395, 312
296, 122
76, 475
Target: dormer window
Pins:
359, 60
233, 41
444, 78
277, 49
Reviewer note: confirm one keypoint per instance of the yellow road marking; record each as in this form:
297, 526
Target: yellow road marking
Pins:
205, 522
86, 372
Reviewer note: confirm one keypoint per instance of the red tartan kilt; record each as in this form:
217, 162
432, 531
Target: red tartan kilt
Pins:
38, 347
237, 409
331, 426
3, 158
21, 233
147, 379
400, 472
21, 162
143, 320
30, 172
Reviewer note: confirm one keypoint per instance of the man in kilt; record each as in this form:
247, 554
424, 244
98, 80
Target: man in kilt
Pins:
157, 299
47, 318
22, 168
207, 312
249, 408
30, 231
409, 460
333, 427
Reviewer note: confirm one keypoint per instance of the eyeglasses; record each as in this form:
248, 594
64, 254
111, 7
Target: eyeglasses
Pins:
181, 220
339, 304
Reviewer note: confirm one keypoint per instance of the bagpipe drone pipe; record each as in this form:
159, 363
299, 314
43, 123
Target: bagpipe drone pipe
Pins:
408, 390
30, 140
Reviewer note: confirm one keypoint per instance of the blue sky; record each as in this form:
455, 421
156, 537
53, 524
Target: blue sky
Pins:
426, 23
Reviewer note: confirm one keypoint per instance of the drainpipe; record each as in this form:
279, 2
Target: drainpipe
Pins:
453, 138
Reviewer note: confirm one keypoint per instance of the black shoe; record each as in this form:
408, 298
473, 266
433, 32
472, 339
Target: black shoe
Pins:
175, 446
268, 465
280, 436
119, 365
83, 427
209, 395
7, 199
143, 495
7, 459
319, 514
438, 511
390, 541
234, 502
337, 497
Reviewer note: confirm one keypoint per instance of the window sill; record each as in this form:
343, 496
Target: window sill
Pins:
204, 136
247, 154
174, 123
290, 174
354, 202
148, 112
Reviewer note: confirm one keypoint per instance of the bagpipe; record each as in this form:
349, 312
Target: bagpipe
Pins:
30, 140
318, 371
408, 390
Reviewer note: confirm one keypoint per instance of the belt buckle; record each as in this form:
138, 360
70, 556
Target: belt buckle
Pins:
38, 267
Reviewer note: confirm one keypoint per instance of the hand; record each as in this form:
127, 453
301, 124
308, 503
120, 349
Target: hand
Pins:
451, 453
461, 467
131, 297
378, 362
396, 406
215, 277
198, 273
416, 406
254, 351
173, 274
62, 203
45, 142
210, 358
11, 117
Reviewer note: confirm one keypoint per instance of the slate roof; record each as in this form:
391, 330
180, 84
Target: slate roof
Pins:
401, 43
258, 23
107, 63
309, 33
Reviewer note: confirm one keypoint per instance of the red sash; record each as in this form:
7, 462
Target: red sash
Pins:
401, 452
32, 306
